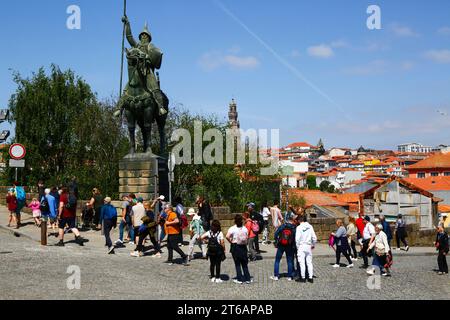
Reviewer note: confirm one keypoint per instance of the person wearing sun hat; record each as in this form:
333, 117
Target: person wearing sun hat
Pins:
196, 230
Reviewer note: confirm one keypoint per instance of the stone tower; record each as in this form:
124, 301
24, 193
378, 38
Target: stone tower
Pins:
233, 116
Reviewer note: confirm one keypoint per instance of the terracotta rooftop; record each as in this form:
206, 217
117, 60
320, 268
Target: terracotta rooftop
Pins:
431, 183
437, 160
443, 208
317, 197
299, 145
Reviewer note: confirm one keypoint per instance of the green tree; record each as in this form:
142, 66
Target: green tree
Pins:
311, 182
67, 131
324, 185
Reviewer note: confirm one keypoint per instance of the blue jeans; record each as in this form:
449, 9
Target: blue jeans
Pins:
290, 260
123, 223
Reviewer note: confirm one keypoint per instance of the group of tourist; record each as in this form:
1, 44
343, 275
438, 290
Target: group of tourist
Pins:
158, 220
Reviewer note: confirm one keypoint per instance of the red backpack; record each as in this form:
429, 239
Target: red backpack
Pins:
184, 223
286, 237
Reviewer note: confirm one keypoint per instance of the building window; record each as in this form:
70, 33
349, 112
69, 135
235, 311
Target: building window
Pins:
435, 174
421, 175
447, 174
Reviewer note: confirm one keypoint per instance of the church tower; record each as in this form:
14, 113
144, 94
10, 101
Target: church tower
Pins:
233, 116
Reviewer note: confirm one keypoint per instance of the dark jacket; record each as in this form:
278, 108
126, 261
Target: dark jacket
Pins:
281, 228
387, 229
442, 242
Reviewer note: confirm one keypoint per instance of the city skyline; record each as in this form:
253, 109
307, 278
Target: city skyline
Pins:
328, 75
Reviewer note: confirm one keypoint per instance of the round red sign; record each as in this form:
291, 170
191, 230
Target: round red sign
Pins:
17, 151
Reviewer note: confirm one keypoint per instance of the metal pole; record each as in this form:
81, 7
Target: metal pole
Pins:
123, 48
170, 176
16, 175
44, 232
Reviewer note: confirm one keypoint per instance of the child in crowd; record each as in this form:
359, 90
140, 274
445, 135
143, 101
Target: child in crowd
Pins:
196, 231
11, 201
35, 208
216, 249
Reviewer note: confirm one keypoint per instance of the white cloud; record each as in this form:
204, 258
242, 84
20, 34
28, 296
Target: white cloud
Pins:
321, 51
438, 56
339, 44
403, 31
444, 31
215, 59
375, 67
407, 65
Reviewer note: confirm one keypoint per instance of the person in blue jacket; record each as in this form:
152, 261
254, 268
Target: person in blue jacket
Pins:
108, 217
386, 228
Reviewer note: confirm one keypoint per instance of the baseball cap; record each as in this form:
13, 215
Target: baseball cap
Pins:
140, 199
251, 205
191, 212
108, 200
162, 198
367, 218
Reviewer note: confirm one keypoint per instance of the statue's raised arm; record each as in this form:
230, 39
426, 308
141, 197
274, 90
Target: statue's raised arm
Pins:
128, 32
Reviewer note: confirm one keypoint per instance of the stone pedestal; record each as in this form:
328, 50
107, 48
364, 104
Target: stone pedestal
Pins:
139, 175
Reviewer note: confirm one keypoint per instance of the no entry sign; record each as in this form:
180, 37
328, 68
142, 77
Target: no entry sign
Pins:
17, 151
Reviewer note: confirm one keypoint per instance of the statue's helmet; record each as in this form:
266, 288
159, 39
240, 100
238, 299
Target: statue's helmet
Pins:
147, 32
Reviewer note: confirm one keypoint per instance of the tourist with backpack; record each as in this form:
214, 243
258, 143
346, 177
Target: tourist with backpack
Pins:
253, 228
21, 196
342, 246
195, 231
216, 250
256, 216
174, 235
108, 218
148, 228
442, 247
285, 243
237, 236
11, 202
305, 240
67, 216
179, 210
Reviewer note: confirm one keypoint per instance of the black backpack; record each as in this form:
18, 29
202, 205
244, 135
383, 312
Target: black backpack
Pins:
44, 206
214, 247
72, 203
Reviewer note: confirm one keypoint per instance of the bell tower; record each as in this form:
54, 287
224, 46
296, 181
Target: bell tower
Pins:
233, 116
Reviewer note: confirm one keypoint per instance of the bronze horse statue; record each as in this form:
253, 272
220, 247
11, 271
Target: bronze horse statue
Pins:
143, 105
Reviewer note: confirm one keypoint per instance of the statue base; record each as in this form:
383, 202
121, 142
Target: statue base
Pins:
138, 174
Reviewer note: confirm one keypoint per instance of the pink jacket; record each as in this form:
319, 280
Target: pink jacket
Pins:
35, 206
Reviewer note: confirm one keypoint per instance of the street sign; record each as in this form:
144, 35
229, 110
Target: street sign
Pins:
17, 151
16, 163
288, 171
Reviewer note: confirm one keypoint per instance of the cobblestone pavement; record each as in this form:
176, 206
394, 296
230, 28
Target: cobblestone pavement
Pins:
28, 271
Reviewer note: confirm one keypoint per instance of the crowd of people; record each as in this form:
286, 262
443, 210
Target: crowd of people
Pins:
159, 221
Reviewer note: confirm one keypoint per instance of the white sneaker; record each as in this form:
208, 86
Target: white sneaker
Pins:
350, 266
398, 249
213, 279
237, 281
336, 266
219, 280
354, 259
131, 242
119, 242
289, 279
156, 255
135, 254
371, 272
274, 278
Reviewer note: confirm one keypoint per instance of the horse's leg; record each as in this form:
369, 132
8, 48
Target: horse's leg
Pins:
147, 128
131, 130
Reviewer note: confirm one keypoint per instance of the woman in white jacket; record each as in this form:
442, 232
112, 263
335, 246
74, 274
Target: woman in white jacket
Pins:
305, 239
381, 251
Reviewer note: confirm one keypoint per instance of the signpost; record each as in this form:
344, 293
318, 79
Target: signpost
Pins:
17, 152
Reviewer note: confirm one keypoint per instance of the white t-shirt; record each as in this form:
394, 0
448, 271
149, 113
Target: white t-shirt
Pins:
138, 212
209, 234
369, 231
238, 235
265, 213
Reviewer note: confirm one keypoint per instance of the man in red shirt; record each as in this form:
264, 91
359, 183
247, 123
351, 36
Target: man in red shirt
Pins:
67, 216
360, 224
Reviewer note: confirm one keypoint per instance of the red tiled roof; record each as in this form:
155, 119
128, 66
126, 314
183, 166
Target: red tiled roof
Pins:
443, 208
299, 145
317, 197
431, 183
437, 160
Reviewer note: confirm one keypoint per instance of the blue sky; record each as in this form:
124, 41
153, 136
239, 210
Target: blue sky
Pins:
310, 68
